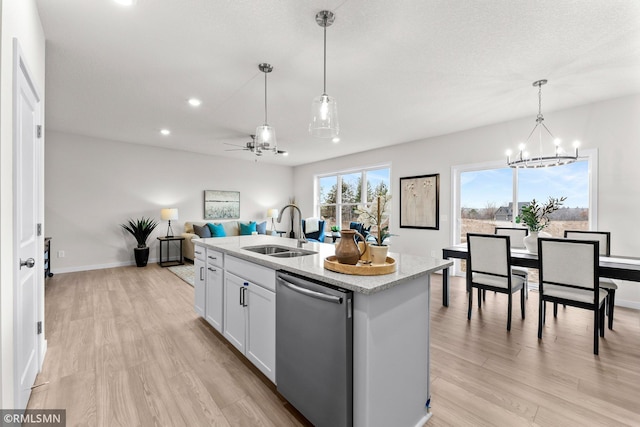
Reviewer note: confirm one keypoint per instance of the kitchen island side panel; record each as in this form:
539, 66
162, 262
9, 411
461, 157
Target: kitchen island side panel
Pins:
391, 356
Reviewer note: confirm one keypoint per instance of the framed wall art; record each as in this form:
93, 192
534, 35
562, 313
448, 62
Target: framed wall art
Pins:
221, 204
420, 202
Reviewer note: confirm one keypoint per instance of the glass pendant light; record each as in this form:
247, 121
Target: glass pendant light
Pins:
324, 109
265, 134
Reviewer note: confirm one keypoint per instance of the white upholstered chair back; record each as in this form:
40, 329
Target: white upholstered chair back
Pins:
568, 262
489, 253
603, 237
516, 235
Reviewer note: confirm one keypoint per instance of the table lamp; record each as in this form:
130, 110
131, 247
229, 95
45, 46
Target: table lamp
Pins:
273, 214
168, 214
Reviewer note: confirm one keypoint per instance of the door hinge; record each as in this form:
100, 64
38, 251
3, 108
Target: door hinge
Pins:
39, 131
39, 327
39, 230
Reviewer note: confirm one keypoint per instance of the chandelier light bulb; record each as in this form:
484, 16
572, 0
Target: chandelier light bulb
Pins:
557, 141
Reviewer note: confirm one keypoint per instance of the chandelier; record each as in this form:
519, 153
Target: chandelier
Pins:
556, 158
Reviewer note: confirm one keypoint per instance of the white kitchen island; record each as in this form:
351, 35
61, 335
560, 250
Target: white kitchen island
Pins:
390, 322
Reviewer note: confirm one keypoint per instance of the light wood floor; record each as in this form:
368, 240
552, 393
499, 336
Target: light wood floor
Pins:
125, 348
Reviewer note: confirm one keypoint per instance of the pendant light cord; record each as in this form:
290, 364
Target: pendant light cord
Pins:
324, 88
265, 99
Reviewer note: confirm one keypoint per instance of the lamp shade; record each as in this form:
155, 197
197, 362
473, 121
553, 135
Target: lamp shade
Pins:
272, 213
168, 214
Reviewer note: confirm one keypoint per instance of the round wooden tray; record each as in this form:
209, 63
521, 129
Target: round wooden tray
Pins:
360, 269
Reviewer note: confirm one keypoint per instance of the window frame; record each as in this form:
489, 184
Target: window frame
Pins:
589, 155
363, 190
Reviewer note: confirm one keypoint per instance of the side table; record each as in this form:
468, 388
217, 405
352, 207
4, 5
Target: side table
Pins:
334, 235
168, 262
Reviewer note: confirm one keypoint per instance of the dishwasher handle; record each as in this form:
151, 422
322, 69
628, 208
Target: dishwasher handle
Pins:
310, 293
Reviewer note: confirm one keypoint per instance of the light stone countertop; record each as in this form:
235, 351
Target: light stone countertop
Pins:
312, 266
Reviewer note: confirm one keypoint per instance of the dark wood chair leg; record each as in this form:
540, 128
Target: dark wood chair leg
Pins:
522, 304
479, 298
602, 310
596, 322
612, 302
540, 318
470, 304
509, 312
555, 309
484, 295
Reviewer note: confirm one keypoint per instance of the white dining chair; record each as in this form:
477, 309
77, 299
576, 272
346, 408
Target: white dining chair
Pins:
489, 269
569, 275
604, 238
516, 236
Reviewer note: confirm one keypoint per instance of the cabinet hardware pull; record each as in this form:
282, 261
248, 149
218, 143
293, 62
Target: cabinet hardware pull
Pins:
241, 302
201, 271
244, 297
212, 269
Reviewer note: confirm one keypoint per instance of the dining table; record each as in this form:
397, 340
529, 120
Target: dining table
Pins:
612, 267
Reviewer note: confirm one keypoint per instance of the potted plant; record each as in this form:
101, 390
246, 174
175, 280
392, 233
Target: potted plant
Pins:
536, 217
141, 229
377, 215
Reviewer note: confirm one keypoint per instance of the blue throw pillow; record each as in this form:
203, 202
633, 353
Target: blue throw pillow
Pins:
217, 230
262, 227
247, 229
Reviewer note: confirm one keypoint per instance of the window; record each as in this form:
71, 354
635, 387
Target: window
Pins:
359, 187
491, 195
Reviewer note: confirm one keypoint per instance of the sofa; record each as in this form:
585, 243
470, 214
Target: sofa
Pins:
197, 230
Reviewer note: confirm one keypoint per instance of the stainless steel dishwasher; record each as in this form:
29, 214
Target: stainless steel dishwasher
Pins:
314, 349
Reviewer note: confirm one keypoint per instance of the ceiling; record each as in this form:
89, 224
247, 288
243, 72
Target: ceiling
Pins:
401, 71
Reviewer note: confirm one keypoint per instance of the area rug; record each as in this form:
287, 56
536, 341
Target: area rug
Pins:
185, 272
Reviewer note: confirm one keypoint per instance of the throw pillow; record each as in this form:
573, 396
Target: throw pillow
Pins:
217, 230
262, 227
202, 231
247, 229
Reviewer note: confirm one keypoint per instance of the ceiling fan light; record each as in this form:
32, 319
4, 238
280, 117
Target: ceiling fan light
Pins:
324, 117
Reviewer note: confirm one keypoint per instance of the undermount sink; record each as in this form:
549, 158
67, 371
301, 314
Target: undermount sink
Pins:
267, 249
279, 251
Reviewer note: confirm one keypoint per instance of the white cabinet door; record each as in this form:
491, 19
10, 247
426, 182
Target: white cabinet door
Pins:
214, 296
235, 299
199, 286
261, 329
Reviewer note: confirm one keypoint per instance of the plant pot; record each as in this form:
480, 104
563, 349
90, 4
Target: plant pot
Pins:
142, 256
531, 241
378, 254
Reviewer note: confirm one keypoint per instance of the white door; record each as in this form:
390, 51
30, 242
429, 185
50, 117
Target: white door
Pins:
261, 330
214, 296
235, 321
199, 290
26, 195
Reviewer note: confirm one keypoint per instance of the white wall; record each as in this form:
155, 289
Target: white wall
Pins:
19, 19
612, 127
93, 185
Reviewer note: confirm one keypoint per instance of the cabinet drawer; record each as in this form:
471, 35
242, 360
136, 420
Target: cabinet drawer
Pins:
215, 258
199, 252
257, 274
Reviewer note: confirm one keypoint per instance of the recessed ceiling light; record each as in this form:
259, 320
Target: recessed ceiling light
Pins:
194, 102
165, 132
336, 139
126, 2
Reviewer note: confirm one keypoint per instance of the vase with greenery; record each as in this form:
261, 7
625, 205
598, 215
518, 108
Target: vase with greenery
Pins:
141, 229
536, 217
377, 216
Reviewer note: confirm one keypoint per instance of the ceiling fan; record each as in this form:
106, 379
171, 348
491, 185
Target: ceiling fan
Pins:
254, 148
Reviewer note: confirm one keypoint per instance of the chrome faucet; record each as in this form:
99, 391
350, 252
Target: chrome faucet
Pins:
302, 238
